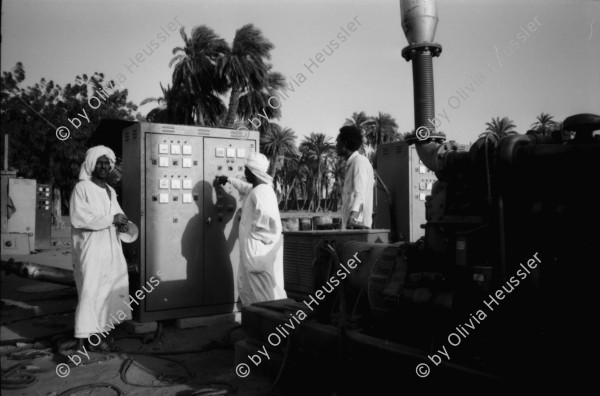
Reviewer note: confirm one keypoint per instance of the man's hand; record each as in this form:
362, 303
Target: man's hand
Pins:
120, 219
353, 224
222, 180
123, 228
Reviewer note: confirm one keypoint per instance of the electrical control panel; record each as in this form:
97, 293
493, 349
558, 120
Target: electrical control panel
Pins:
188, 222
409, 182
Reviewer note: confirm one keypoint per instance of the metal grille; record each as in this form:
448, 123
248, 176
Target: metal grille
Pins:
298, 257
380, 274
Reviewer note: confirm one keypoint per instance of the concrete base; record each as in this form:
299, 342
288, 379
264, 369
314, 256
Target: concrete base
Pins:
187, 323
135, 327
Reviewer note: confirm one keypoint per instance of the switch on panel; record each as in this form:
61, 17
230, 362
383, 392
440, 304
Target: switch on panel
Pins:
429, 186
241, 153
187, 198
163, 161
176, 184
187, 149
187, 185
422, 185
219, 152
422, 169
187, 163
163, 184
175, 149
230, 153
422, 197
163, 198
163, 149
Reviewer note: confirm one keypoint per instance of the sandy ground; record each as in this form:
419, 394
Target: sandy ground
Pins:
37, 317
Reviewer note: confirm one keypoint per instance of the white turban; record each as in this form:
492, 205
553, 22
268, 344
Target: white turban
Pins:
258, 164
91, 156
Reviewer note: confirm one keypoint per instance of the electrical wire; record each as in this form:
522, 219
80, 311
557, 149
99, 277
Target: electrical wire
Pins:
129, 361
12, 379
91, 386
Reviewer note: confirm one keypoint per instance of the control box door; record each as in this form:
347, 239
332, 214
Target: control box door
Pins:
174, 221
222, 211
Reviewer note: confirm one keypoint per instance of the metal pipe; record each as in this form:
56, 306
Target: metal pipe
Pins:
423, 89
419, 22
39, 272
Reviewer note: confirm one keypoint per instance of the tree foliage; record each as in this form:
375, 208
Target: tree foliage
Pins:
31, 115
545, 124
207, 71
499, 128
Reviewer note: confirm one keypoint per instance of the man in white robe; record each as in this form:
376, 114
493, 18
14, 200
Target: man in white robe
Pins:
357, 194
99, 266
260, 274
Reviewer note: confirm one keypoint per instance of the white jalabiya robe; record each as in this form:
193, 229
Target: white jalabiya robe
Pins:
99, 266
260, 274
357, 195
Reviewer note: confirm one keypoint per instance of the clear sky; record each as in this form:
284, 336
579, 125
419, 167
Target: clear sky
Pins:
553, 67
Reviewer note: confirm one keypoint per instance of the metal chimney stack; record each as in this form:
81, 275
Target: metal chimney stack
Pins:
419, 22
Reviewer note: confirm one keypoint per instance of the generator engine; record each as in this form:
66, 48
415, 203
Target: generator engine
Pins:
487, 297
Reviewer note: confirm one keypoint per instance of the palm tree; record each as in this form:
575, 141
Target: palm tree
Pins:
253, 102
279, 145
291, 176
499, 127
245, 66
161, 101
316, 150
174, 107
195, 73
384, 130
357, 119
338, 171
545, 124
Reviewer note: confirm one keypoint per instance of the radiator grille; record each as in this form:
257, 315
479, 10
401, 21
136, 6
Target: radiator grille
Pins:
298, 257
380, 275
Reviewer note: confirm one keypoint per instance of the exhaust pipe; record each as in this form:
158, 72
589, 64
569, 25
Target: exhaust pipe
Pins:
419, 22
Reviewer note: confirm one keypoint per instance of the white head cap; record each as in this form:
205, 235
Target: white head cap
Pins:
258, 164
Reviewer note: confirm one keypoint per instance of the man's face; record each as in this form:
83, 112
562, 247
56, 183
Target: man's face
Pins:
102, 168
249, 175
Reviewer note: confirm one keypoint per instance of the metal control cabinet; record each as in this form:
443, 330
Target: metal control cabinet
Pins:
409, 182
20, 236
188, 223
43, 216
